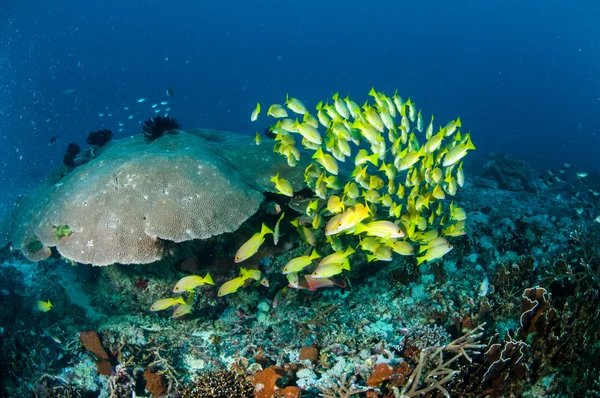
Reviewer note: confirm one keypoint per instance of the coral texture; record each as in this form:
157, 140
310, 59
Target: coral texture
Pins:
136, 194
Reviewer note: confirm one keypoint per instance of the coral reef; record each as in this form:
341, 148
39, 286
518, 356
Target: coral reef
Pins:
508, 173
175, 190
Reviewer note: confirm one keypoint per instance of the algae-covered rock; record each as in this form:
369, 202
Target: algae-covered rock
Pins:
121, 206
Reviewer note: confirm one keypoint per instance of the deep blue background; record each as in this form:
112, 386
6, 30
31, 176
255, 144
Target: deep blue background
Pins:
523, 75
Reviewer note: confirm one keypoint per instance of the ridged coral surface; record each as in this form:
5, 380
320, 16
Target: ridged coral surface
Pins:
136, 193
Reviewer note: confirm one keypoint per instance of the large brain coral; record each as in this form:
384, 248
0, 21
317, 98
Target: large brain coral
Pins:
118, 207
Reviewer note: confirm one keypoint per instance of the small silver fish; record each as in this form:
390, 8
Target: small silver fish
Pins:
484, 287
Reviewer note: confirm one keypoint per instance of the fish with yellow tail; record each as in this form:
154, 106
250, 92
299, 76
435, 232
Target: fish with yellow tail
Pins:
189, 283
338, 257
400, 247
232, 286
255, 113
186, 308
331, 269
277, 111
283, 186
327, 161
276, 233
165, 303
435, 252
382, 229
299, 263
44, 306
455, 154
295, 105
252, 245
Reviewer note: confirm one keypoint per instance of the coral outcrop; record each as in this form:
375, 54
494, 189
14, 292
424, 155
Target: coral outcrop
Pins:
123, 205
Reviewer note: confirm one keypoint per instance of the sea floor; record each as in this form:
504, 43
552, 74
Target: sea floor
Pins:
513, 310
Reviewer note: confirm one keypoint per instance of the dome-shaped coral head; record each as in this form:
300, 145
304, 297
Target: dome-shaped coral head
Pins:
99, 138
72, 151
155, 127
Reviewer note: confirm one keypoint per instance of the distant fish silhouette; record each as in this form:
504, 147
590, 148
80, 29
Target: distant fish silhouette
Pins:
52, 140
170, 92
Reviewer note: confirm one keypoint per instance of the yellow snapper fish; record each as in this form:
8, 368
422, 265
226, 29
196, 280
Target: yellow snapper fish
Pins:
44, 306
457, 213
232, 286
327, 161
322, 116
353, 107
186, 308
283, 186
299, 263
189, 283
335, 204
277, 111
340, 106
382, 229
435, 242
255, 113
363, 157
382, 253
293, 279
311, 119
408, 159
276, 230
460, 175
331, 269
338, 257
346, 220
435, 252
455, 154
252, 245
373, 118
310, 134
257, 138
400, 247
295, 105
165, 303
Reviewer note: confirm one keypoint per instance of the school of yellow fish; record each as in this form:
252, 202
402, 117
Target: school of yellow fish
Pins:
392, 192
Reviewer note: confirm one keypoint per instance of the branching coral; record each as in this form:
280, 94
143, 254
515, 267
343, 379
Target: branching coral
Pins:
435, 364
155, 127
341, 387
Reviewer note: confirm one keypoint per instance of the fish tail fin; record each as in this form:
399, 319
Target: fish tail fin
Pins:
265, 230
469, 144
314, 255
350, 250
421, 259
346, 265
208, 279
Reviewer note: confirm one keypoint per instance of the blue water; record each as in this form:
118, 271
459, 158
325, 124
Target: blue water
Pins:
522, 75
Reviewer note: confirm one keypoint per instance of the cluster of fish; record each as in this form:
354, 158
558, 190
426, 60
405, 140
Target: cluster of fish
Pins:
186, 284
582, 204
396, 185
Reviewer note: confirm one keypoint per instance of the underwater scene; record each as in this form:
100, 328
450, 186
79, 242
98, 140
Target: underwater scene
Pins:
311, 199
